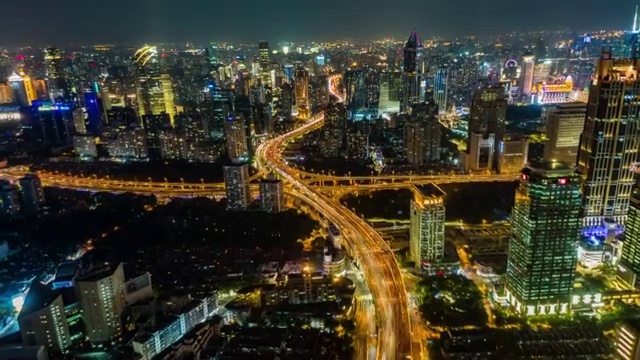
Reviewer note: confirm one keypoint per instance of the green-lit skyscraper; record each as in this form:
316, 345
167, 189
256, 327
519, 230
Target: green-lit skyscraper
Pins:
545, 226
631, 249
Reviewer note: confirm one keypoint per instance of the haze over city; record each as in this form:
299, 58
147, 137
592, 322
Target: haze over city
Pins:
121, 21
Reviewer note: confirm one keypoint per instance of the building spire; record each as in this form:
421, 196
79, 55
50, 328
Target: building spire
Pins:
635, 20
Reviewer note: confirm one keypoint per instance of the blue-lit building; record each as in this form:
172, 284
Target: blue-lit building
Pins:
289, 73
51, 123
356, 94
222, 106
93, 112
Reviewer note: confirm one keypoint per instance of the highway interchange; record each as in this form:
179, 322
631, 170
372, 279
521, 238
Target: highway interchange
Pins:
381, 272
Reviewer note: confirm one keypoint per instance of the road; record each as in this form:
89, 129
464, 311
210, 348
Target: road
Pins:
378, 263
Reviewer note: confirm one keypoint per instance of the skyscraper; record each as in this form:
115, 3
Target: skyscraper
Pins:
55, 80
32, 193
526, 75
23, 91
52, 122
390, 88
222, 106
441, 88
631, 249
355, 94
545, 226
42, 319
272, 195
422, 134
154, 89
236, 185
609, 143
565, 122
101, 296
302, 92
412, 73
236, 138
486, 120
512, 154
426, 239
263, 48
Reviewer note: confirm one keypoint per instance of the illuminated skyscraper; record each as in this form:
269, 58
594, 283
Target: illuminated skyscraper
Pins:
236, 185
236, 138
52, 122
512, 154
609, 143
154, 89
486, 120
526, 75
631, 249
272, 195
355, 94
302, 92
42, 320
412, 73
101, 296
422, 134
545, 226
426, 239
6, 94
441, 88
390, 88
565, 122
263, 48
222, 106
56, 82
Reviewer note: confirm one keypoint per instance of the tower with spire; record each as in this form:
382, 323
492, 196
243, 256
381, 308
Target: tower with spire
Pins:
412, 92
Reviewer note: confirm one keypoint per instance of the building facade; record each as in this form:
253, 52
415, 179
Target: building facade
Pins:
609, 143
545, 226
236, 184
565, 122
426, 239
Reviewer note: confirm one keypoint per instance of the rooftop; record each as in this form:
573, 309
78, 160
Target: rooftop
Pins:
38, 297
100, 273
550, 169
429, 190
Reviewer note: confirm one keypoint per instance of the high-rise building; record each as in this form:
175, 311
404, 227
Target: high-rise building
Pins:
512, 154
236, 138
101, 296
85, 146
42, 319
23, 91
486, 120
52, 122
129, 144
426, 239
55, 79
154, 89
545, 226
441, 88
272, 195
480, 152
631, 250
422, 134
526, 75
565, 122
32, 194
390, 89
302, 92
153, 127
355, 94
236, 185
222, 106
263, 48
6, 94
9, 199
412, 87
79, 121
609, 144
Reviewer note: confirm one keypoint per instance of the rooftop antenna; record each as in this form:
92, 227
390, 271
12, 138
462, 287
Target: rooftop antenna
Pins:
635, 20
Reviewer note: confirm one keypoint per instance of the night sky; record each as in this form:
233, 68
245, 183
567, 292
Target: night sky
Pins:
62, 22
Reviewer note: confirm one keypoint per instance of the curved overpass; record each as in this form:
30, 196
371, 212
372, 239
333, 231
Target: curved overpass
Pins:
380, 269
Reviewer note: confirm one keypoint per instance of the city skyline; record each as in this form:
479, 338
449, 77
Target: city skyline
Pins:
163, 21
